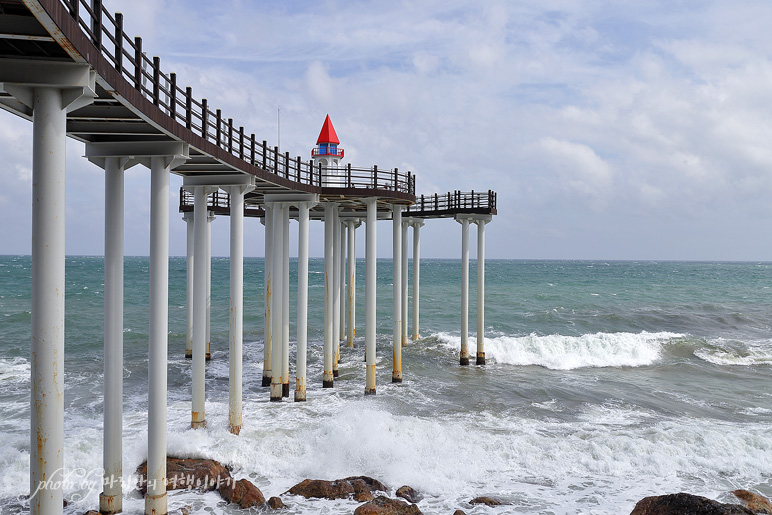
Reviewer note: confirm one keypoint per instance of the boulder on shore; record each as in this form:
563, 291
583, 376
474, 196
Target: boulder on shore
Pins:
382, 505
408, 493
202, 474
358, 487
205, 475
677, 504
488, 501
242, 492
754, 502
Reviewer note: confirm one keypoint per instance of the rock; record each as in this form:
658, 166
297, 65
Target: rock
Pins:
754, 502
205, 475
408, 493
276, 503
185, 510
382, 505
360, 487
374, 484
459, 512
92, 512
488, 501
677, 504
202, 474
243, 493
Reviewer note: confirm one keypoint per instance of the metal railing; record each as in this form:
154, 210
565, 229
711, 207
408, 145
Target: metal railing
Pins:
217, 202
128, 57
335, 152
455, 201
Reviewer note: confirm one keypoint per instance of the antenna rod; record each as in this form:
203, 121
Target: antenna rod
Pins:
278, 126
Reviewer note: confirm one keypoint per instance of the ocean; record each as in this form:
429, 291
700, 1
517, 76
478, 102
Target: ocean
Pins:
606, 382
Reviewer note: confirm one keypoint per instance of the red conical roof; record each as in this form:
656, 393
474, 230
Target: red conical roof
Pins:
328, 133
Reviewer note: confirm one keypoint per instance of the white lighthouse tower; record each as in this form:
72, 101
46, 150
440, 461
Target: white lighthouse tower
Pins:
327, 153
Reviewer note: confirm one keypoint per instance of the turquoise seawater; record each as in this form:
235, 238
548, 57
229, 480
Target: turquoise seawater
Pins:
606, 382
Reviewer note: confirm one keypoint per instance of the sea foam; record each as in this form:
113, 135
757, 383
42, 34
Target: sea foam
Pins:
559, 352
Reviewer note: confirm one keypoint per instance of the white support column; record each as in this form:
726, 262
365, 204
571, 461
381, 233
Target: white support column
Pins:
481, 290
342, 275
155, 499
31, 83
209, 220
329, 258
352, 276
285, 303
302, 311
111, 498
396, 214
235, 352
370, 297
464, 290
188, 217
47, 313
198, 418
277, 297
268, 296
417, 224
403, 282
336, 293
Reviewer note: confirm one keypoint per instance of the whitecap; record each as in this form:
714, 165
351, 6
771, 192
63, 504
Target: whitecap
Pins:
559, 352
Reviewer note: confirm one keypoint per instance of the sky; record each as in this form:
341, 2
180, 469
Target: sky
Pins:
609, 129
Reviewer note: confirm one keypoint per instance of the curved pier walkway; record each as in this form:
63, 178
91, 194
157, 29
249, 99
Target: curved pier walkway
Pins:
69, 68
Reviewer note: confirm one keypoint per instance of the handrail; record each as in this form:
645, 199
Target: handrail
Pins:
454, 201
129, 59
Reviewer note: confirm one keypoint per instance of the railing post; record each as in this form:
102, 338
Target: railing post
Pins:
252, 148
173, 96
230, 135
204, 119
96, 23
348, 174
74, 7
409, 180
188, 107
241, 142
276, 160
265, 154
156, 79
320, 175
375, 176
298, 161
396, 179
218, 131
422, 202
286, 165
472, 199
118, 42
436, 202
138, 64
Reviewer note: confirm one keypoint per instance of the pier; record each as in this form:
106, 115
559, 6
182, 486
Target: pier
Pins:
69, 68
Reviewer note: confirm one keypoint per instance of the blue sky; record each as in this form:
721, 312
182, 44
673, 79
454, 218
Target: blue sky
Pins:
610, 130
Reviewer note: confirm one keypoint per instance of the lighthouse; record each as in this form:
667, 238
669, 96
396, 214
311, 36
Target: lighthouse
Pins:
326, 152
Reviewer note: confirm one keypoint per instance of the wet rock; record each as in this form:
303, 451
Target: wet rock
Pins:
205, 475
275, 503
459, 512
374, 484
754, 502
243, 493
358, 487
382, 505
92, 512
408, 493
488, 501
202, 474
677, 504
